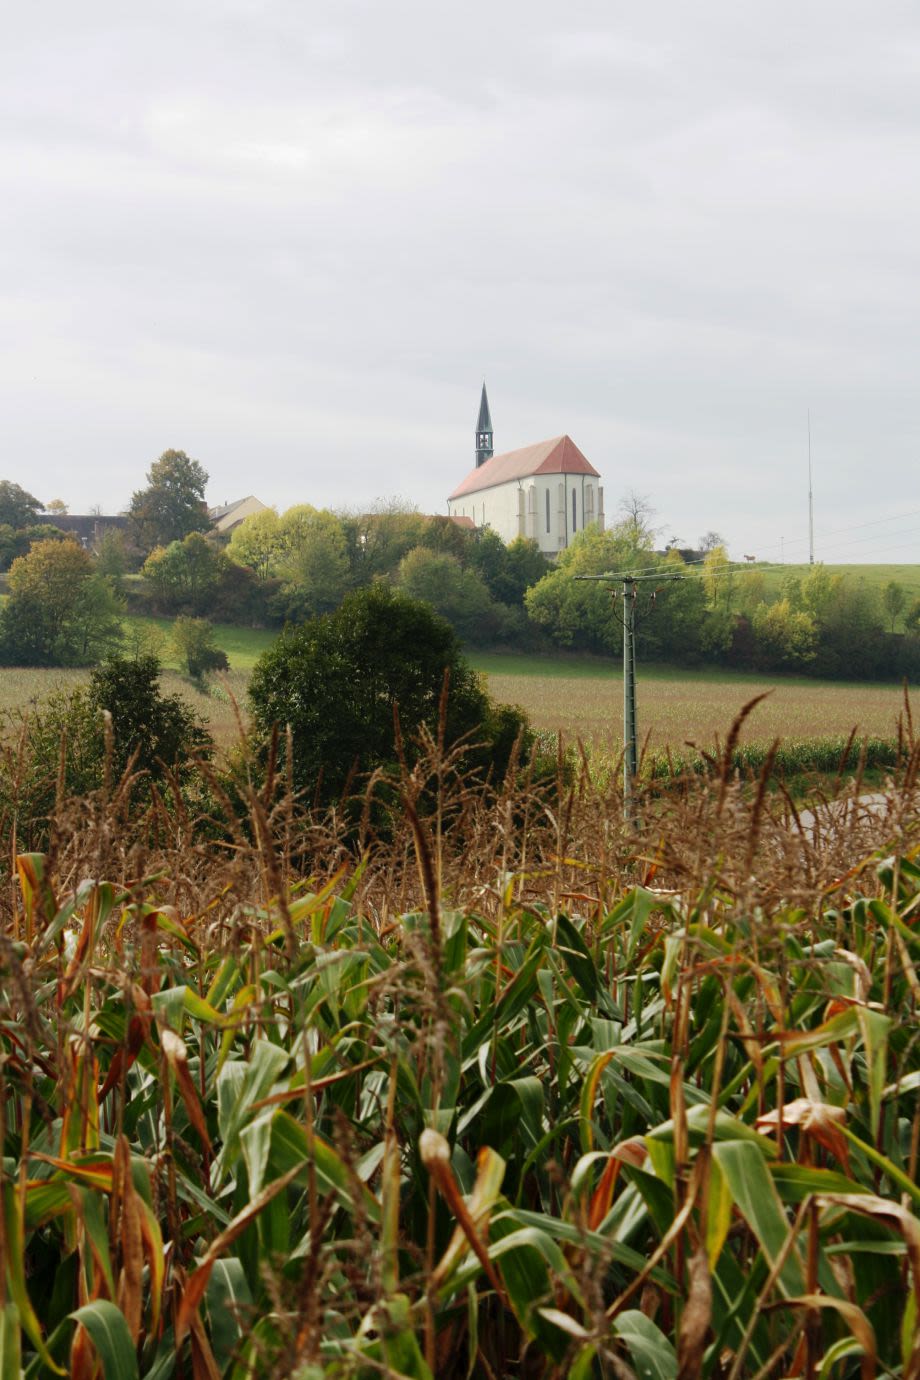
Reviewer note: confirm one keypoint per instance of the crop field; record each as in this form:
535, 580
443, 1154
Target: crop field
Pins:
585, 699
579, 697
23, 687
906, 575
487, 1093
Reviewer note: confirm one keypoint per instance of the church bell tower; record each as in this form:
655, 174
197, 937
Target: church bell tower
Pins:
483, 431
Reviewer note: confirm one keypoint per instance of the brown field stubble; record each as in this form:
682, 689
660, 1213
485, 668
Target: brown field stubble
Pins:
681, 708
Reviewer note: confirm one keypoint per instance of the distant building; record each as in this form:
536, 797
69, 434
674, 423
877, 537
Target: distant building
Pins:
547, 492
86, 528
230, 515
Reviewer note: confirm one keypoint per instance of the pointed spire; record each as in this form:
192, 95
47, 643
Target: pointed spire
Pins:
484, 430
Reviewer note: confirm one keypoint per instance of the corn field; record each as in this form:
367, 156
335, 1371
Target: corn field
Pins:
496, 1086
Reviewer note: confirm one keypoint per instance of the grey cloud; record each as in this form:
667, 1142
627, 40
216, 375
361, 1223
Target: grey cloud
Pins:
292, 239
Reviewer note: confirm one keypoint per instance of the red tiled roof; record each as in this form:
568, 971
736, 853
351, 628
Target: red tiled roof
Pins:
558, 456
455, 518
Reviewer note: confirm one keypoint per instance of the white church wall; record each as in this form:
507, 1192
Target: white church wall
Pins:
550, 509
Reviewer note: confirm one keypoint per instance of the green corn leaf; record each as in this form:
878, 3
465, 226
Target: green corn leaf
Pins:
652, 1355
10, 1346
15, 1270
109, 1334
228, 1304
754, 1192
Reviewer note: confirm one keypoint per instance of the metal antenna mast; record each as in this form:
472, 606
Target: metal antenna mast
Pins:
811, 506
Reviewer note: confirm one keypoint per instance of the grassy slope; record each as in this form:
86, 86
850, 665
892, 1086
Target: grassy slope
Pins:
878, 575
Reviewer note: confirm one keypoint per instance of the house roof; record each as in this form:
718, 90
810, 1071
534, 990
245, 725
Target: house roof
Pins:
557, 456
215, 514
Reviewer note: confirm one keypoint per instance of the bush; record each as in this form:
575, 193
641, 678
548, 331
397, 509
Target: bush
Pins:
161, 728
54, 749
193, 639
336, 680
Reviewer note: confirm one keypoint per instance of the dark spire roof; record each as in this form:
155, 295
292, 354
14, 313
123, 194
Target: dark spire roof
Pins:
485, 418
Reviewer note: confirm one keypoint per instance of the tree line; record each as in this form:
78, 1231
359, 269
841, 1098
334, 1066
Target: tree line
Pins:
282, 569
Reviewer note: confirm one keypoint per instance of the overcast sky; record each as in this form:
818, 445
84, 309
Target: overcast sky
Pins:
292, 238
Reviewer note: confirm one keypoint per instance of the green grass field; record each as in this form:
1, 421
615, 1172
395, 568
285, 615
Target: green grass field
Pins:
876, 575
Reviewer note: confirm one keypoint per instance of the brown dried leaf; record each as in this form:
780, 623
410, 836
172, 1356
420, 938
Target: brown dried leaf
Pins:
198, 1281
130, 1295
695, 1320
177, 1058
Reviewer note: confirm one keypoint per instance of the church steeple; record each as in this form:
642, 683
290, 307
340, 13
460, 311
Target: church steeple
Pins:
483, 431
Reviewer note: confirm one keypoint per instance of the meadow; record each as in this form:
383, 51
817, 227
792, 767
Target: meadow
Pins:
906, 574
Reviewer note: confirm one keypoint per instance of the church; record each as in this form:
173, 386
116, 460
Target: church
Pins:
548, 492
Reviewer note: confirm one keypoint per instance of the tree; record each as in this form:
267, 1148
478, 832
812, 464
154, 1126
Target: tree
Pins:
59, 611
456, 594
581, 613
894, 598
718, 578
526, 566
111, 557
173, 503
185, 574
912, 619
314, 568
17, 507
508, 571
709, 541
378, 540
636, 521
336, 680
193, 640
57, 506
160, 728
16, 541
258, 542
785, 639
443, 534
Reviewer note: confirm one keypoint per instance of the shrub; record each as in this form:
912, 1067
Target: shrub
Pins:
193, 639
336, 681
161, 728
55, 749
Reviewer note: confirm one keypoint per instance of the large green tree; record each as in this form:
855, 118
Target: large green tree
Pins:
336, 681
60, 611
458, 595
173, 503
313, 567
378, 540
258, 543
509, 571
18, 508
185, 574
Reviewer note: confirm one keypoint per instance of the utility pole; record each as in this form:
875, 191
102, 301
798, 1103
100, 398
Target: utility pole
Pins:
630, 731
811, 507
630, 743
